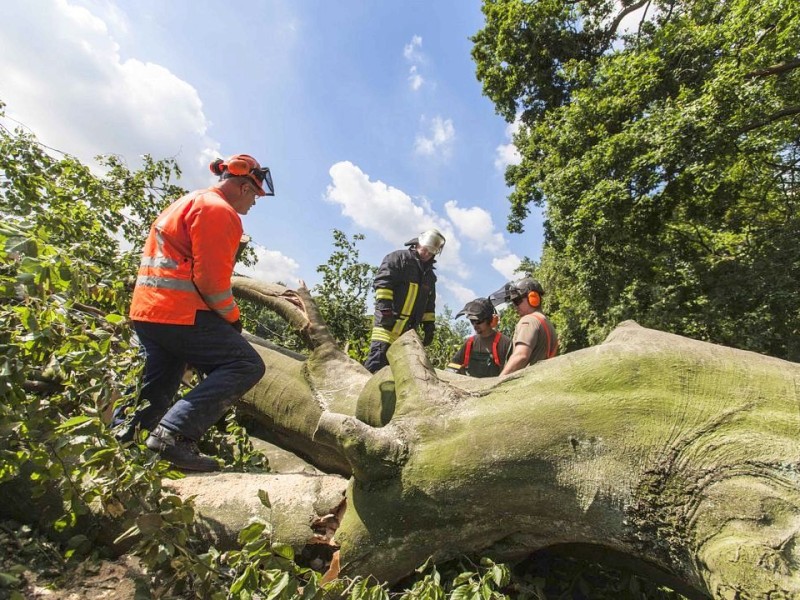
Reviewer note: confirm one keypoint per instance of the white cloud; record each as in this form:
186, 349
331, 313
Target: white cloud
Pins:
508, 154
390, 212
507, 265
273, 267
63, 77
440, 139
412, 50
413, 53
461, 293
415, 80
476, 224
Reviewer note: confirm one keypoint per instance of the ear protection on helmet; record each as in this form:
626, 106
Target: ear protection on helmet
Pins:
534, 299
244, 165
494, 321
240, 165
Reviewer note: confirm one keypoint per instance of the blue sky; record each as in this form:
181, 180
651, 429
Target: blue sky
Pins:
368, 113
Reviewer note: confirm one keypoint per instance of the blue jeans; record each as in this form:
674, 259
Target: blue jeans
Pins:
231, 367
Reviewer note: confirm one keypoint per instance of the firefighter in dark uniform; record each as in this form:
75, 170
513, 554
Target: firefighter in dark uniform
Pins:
405, 295
483, 354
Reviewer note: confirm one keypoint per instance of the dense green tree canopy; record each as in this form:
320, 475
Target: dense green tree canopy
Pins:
665, 156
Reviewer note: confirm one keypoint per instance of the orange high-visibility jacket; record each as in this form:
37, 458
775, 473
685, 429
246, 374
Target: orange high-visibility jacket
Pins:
188, 261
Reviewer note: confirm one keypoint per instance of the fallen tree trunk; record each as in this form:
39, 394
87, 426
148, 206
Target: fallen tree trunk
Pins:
681, 454
296, 511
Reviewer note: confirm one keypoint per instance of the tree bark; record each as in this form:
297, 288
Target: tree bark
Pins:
678, 453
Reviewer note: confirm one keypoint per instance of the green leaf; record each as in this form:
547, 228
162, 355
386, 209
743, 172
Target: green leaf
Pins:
278, 586
73, 423
464, 592
245, 579
251, 532
500, 575
283, 550
8, 580
101, 456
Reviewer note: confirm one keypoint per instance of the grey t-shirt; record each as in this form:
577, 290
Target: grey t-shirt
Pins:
537, 332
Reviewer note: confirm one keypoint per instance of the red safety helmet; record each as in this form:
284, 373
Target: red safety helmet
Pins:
244, 165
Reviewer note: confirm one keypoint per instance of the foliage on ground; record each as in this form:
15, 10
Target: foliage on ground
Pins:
30, 561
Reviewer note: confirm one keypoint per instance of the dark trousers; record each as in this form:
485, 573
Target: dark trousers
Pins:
231, 367
376, 359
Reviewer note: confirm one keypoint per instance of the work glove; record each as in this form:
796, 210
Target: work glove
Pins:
428, 330
237, 325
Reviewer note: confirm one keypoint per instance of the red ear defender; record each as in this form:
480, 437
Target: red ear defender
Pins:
494, 321
217, 167
534, 299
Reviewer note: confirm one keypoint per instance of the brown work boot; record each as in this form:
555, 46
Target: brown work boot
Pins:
183, 453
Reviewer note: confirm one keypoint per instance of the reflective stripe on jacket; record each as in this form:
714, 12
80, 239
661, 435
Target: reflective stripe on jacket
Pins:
405, 294
188, 261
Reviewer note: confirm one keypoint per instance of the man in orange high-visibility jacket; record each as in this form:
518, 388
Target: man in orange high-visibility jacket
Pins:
184, 313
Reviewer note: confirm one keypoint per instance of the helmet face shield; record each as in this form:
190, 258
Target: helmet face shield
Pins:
263, 178
514, 290
508, 293
432, 241
244, 165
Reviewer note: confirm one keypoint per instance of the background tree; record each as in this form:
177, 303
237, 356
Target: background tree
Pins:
666, 158
342, 295
448, 337
267, 325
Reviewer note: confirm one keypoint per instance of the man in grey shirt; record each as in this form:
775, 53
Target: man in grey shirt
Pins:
535, 337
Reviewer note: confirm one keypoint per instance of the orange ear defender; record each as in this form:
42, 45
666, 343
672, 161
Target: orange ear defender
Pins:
534, 299
240, 165
494, 321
